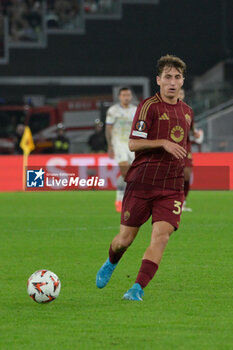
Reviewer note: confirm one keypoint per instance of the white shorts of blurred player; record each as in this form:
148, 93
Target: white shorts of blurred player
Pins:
122, 154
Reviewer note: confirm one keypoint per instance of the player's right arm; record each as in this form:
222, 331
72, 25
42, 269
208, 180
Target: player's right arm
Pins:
110, 120
136, 145
140, 128
108, 135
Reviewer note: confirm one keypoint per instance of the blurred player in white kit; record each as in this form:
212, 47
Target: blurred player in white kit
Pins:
118, 126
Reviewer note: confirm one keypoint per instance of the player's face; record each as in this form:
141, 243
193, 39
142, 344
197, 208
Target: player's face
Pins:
170, 82
125, 97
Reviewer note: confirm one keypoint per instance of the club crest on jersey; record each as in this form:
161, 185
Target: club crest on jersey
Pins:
177, 133
140, 125
126, 215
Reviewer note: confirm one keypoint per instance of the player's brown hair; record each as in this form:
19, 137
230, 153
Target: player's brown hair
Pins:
124, 88
171, 61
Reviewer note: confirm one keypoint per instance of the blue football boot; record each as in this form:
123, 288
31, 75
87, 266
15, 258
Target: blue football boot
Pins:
104, 274
134, 293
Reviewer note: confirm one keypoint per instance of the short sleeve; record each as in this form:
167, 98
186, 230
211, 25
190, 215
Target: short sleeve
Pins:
110, 117
142, 121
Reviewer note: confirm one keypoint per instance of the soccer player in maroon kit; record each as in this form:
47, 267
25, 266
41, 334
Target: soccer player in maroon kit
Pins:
155, 180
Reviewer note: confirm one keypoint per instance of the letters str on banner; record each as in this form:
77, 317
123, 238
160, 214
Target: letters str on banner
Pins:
211, 171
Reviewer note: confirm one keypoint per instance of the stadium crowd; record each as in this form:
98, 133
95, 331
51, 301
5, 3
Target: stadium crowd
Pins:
100, 6
25, 19
26, 16
63, 14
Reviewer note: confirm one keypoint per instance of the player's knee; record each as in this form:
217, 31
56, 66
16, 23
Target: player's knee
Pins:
164, 238
123, 242
160, 237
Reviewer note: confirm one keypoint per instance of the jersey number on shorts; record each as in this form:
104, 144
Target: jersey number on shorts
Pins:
177, 205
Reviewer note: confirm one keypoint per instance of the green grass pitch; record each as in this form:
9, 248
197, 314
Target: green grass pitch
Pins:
187, 306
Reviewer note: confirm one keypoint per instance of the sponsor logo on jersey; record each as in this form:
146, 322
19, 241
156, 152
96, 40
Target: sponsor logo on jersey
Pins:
177, 133
139, 134
140, 125
164, 116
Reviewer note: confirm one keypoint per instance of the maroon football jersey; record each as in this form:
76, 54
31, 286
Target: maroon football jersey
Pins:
188, 159
154, 120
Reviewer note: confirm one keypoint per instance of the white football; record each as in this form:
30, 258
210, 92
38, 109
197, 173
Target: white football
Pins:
43, 286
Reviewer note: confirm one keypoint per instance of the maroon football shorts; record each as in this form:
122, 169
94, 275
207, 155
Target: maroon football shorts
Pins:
142, 200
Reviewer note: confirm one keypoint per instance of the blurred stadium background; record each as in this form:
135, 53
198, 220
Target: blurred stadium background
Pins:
63, 61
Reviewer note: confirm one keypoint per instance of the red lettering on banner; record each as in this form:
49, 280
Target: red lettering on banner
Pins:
101, 166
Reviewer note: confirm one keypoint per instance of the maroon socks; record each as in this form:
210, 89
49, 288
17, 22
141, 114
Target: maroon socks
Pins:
147, 269
114, 257
146, 272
